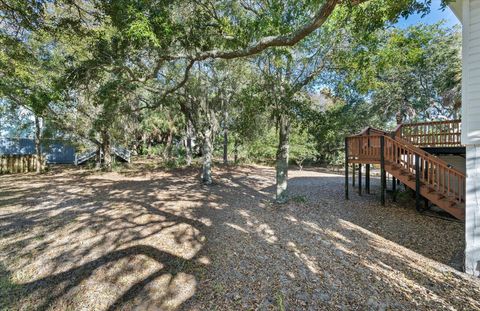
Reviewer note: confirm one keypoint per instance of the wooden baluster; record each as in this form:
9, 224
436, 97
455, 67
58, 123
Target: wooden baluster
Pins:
430, 176
428, 172
444, 188
416, 132
425, 137
441, 177
407, 159
448, 184
440, 187
439, 174
410, 160
450, 131
360, 146
459, 188
417, 182
422, 138
396, 153
387, 145
445, 181
449, 136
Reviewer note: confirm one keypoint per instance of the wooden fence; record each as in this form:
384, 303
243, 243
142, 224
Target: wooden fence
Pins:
18, 163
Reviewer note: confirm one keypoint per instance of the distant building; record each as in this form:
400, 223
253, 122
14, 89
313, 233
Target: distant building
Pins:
56, 151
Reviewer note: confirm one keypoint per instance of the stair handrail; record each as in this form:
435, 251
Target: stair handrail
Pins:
426, 157
414, 149
80, 158
122, 152
394, 135
368, 131
420, 151
371, 151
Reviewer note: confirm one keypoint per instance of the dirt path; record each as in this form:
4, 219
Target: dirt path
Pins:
158, 240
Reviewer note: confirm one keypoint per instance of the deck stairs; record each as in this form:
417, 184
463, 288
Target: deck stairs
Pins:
120, 152
400, 156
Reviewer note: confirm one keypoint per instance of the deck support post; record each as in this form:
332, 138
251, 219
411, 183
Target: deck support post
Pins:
346, 169
394, 188
360, 179
417, 183
383, 176
353, 174
367, 167
367, 178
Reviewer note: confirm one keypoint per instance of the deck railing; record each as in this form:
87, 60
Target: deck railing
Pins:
118, 151
432, 171
431, 134
364, 148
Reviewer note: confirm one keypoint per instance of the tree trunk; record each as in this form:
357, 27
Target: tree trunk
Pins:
207, 156
209, 134
98, 157
399, 117
38, 148
188, 142
300, 164
225, 138
235, 151
167, 153
282, 159
106, 149
143, 145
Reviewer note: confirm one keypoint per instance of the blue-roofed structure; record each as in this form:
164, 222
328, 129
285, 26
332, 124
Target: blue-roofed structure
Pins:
56, 151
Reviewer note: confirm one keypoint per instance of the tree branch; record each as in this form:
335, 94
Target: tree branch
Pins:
270, 41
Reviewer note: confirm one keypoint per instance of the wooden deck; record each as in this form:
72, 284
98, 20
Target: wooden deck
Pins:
431, 134
399, 153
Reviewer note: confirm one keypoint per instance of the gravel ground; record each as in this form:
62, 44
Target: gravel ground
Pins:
152, 239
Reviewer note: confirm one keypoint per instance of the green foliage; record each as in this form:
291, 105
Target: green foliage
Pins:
302, 147
406, 73
263, 148
336, 120
122, 71
420, 72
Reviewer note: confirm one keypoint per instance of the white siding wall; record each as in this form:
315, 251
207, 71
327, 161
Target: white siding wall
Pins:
471, 128
471, 72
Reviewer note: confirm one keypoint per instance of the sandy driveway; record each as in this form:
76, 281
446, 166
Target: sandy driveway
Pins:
158, 240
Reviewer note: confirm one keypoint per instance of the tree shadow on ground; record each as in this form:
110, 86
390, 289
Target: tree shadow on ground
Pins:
160, 240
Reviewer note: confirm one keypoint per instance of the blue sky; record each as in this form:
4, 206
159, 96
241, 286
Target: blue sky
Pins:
435, 15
